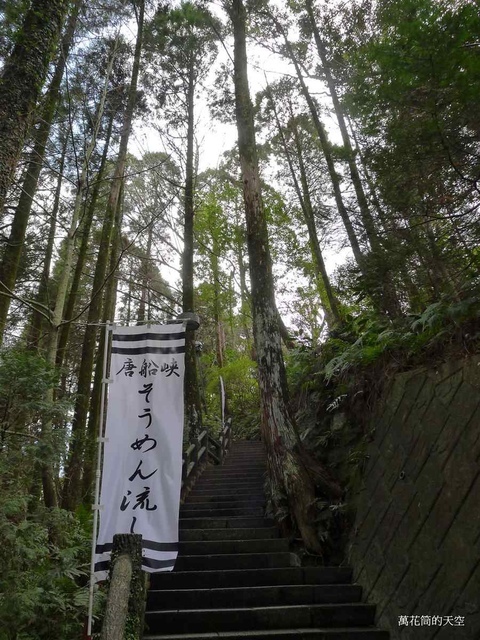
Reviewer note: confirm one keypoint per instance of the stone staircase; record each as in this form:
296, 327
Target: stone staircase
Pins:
236, 578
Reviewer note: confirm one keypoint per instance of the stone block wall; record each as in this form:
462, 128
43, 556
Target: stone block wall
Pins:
415, 546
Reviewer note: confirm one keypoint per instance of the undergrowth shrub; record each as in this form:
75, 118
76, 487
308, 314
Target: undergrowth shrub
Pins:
335, 386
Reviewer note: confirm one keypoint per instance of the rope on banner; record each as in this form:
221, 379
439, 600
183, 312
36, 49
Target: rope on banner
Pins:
96, 506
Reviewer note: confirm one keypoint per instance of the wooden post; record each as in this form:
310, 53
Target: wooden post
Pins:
126, 594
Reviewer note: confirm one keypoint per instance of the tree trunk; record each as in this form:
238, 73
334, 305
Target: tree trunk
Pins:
38, 320
126, 593
307, 208
94, 416
367, 219
288, 474
285, 334
22, 80
13, 250
82, 252
244, 292
193, 407
330, 305
146, 270
62, 287
73, 471
388, 301
217, 314
325, 144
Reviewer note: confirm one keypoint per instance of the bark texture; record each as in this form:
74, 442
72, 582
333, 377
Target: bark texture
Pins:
126, 594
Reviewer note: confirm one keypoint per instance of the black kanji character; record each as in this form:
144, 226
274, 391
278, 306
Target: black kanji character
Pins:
148, 368
143, 501
171, 368
128, 367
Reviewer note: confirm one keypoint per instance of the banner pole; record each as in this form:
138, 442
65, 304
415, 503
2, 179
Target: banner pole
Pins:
96, 506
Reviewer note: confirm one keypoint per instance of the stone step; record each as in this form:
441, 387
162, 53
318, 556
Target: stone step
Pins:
234, 502
246, 454
236, 619
186, 512
196, 496
228, 483
235, 576
253, 465
229, 534
243, 473
232, 561
231, 474
240, 491
216, 579
223, 523
218, 547
254, 596
234, 475
245, 458
352, 633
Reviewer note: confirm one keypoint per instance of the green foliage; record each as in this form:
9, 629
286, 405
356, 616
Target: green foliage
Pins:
44, 552
44, 560
367, 338
240, 378
335, 385
24, 379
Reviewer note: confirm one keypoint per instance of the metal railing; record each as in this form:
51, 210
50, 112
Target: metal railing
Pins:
205, 447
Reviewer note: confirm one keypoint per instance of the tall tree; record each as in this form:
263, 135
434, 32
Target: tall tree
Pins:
13, 249
288, 471
295, 159
364, 207
22, 80
185, 45
73, 472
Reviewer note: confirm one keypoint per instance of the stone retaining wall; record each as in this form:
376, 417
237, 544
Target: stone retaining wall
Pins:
415, 547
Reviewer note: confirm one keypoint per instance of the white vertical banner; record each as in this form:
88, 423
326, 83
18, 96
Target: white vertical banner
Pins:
142, 468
